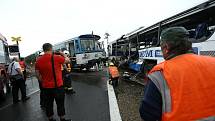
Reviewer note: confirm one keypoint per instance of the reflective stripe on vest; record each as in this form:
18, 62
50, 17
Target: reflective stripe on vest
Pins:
69, 67
186, 83
211, 118
158, 79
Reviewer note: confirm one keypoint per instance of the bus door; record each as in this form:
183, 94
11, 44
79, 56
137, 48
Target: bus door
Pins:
72, 49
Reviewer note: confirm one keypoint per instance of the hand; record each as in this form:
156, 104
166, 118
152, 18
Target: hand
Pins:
62, 54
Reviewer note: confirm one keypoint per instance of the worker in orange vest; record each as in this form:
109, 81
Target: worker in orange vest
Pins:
114, 75
182, 87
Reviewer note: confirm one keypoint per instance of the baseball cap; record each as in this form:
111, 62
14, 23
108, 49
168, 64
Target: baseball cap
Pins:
174, 34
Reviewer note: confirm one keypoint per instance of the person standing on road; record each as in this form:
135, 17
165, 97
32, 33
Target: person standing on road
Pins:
182, 87
114, 75
17, 80
66, 73
48, 71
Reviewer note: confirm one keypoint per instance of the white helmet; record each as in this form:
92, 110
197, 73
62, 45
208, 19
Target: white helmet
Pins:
41, 53
111, 64
66, 52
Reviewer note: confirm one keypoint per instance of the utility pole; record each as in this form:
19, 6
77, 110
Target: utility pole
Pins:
106, 37
17, 39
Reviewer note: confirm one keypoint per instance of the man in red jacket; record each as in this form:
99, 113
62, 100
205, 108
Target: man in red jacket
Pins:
48, 71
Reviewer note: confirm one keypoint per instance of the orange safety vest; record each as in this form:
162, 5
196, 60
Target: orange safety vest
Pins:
191, 81
113, 71
69, 67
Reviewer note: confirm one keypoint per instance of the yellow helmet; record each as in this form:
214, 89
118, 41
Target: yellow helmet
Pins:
111, 64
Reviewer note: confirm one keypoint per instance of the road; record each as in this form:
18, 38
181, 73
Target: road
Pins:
89, 103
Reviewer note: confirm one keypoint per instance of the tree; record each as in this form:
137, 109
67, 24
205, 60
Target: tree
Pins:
16, 39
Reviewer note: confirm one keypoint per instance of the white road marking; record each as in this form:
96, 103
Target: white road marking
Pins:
113, 105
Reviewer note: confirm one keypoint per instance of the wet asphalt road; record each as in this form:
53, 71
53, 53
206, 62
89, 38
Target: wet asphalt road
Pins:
90, 103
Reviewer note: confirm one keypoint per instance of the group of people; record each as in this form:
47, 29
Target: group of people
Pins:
52, 71
66, 76
179, 89
53, 74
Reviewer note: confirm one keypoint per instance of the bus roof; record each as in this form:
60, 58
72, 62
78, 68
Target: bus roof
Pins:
89, 36
194, 10
190, 19
85, 36
207, 7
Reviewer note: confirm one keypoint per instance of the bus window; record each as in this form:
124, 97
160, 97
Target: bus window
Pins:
2, 53
201, 30
71, 48
201, 33
77, 47
7, 59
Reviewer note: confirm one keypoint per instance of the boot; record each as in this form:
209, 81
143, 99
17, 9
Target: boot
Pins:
70, 91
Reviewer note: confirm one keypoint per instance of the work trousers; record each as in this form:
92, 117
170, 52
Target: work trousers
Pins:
56, 94
25, 74
16, 85
115, 81
67, 82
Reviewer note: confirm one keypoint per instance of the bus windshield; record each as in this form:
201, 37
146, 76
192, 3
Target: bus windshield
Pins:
88, 45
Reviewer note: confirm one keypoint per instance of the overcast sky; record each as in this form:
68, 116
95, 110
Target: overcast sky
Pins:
41, 21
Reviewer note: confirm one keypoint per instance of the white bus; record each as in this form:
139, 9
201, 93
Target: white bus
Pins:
85, 50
